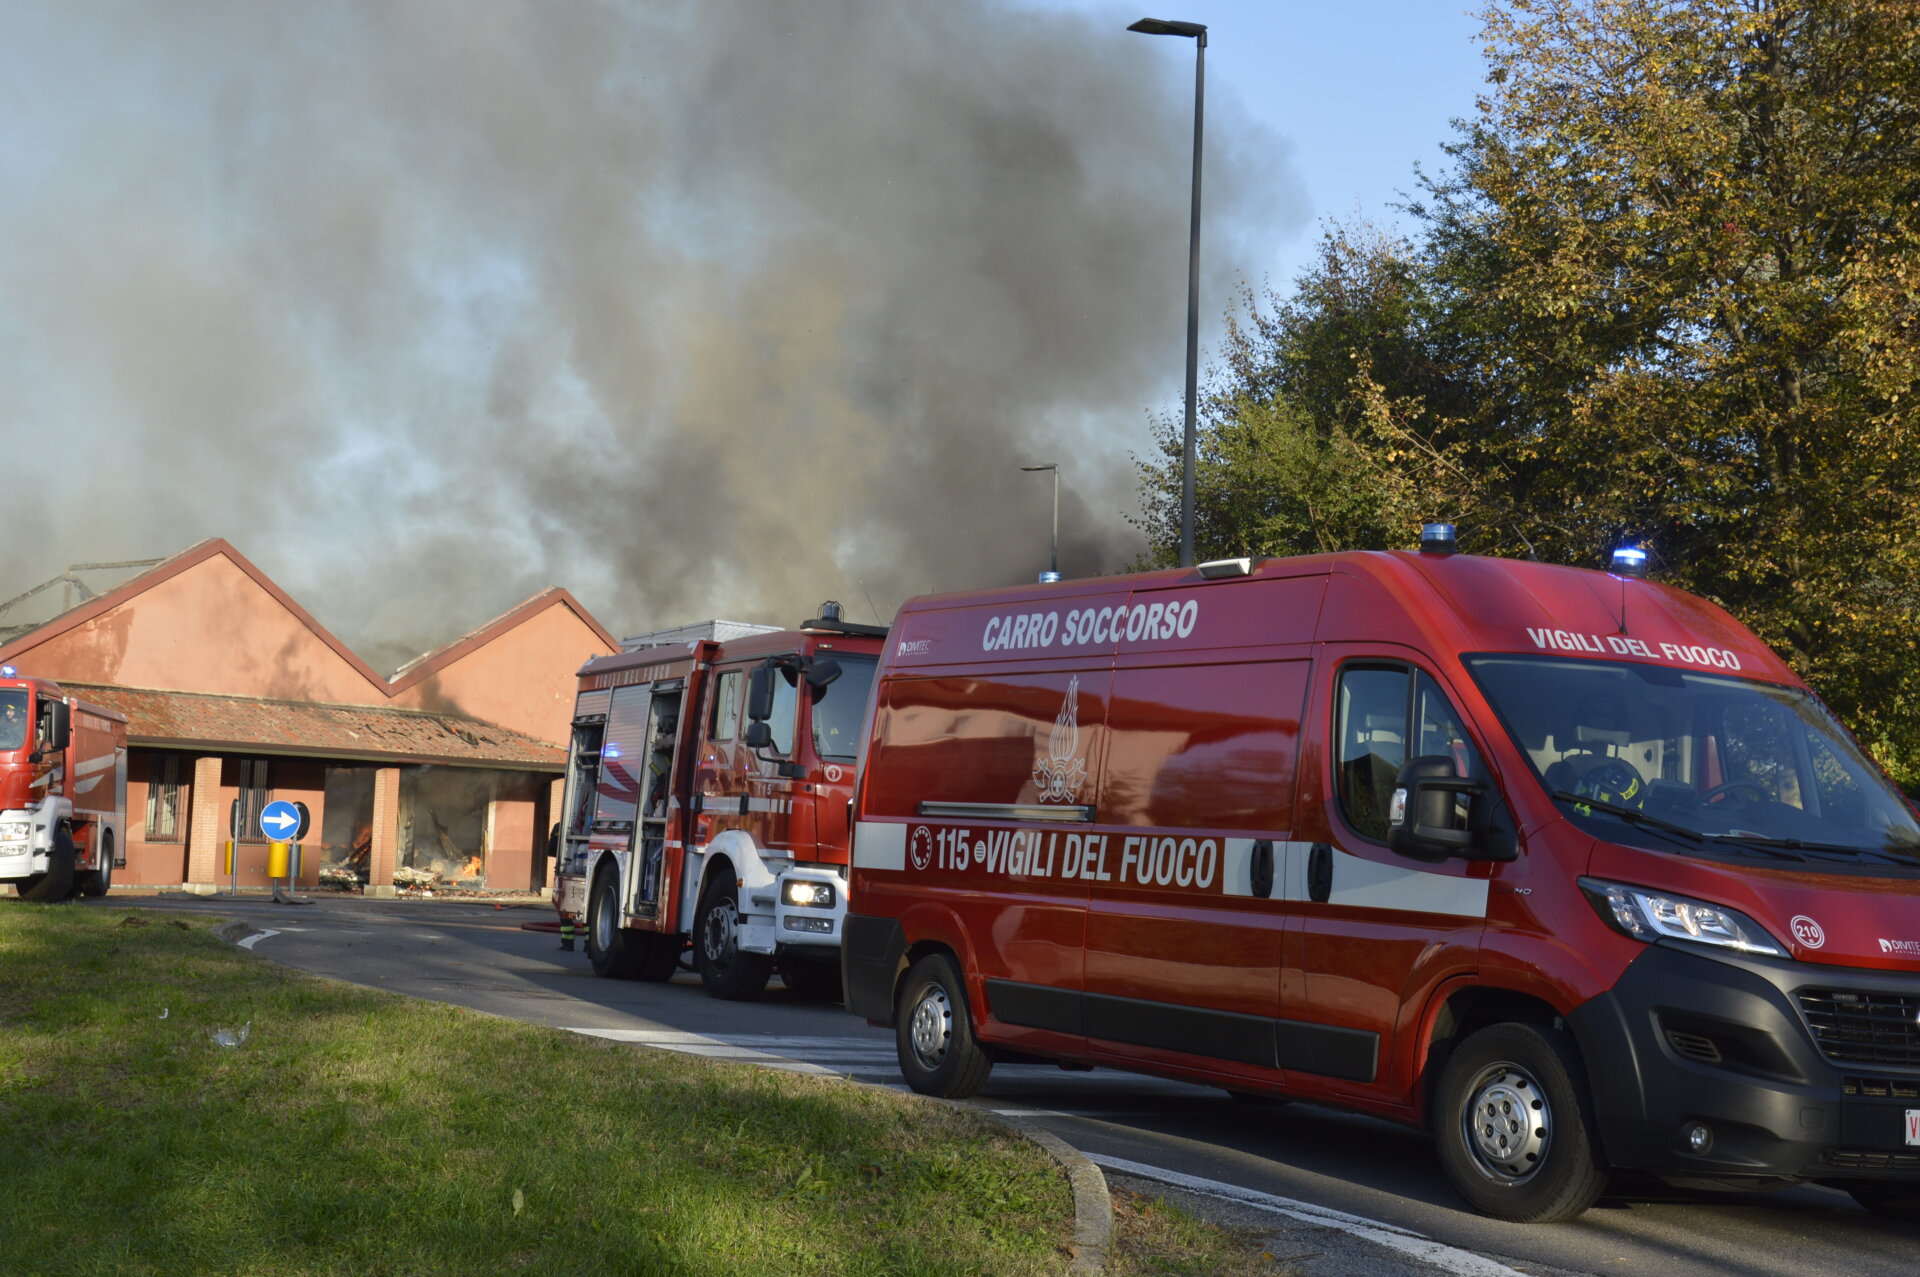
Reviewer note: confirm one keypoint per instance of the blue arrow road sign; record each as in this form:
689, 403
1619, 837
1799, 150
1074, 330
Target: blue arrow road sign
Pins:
281, 821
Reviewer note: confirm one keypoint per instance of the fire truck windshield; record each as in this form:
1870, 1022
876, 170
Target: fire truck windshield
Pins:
13, 719
842, 709
1685, 760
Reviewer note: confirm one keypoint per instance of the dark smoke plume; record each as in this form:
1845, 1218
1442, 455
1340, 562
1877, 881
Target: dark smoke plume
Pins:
715, 308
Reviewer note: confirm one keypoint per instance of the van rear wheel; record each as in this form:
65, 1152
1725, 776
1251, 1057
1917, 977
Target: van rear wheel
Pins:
933, 1032
1514, 1128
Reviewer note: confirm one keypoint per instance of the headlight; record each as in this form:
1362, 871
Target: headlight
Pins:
15, 830
816, 895
1652, 915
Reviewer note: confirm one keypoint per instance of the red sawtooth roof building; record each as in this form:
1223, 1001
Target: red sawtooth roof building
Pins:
234, 693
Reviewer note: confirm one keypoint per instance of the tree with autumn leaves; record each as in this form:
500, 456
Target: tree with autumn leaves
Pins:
1667, 289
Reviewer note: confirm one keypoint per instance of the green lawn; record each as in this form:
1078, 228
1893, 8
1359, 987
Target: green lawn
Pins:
360, 1132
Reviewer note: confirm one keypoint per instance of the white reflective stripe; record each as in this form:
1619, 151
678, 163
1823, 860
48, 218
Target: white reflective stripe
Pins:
879, 846
1359, 883
1236, 866
89, 766
1289, 868
778, 806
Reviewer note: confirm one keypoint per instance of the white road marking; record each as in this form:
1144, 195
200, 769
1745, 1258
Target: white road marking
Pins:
1414, 1245
829, 1056
256, 938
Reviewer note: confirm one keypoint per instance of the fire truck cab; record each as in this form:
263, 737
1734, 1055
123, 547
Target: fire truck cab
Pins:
63, 790
1562, 865
707, 796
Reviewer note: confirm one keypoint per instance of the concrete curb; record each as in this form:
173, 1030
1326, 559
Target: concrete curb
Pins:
1092, 1205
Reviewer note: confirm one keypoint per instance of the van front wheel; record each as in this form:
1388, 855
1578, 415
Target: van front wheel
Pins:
933, 1032
1513, 1126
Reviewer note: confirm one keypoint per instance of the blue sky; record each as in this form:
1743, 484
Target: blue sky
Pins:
1357, 92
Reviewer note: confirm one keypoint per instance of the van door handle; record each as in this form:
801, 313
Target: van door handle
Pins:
1320, 873
1260, 870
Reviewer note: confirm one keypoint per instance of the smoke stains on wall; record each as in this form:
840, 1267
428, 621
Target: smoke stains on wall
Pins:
707, 308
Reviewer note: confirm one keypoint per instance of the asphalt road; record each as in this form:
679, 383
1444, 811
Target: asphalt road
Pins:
1301, 1170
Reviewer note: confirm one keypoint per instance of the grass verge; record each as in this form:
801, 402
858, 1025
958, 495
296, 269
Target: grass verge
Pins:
360, 1132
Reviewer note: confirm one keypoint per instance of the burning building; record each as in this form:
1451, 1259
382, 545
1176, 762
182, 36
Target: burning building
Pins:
448, 771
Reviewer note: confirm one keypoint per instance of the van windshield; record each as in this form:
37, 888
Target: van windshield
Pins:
1680, 760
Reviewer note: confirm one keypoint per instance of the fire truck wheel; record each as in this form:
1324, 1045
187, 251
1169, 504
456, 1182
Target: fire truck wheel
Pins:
1513, 1126
56, 884
614, 953
1889, 1199
728, 973
933, 1032
812, 977
97, 882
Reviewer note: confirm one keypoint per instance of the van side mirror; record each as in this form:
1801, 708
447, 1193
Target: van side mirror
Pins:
1424, 819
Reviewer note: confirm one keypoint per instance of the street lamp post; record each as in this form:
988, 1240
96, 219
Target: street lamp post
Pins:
1053, 559
1198, 33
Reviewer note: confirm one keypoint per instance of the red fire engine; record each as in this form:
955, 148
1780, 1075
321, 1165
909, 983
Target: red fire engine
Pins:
1564, 866
707, 797
63, 790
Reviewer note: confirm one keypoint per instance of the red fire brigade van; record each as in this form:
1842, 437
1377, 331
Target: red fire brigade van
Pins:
1563, 865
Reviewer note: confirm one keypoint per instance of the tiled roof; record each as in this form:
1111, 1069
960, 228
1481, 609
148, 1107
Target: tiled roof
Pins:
212, 723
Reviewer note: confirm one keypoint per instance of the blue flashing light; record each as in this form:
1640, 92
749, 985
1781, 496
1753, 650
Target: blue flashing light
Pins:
7, 671
1629, 560
611, 751
1437, 538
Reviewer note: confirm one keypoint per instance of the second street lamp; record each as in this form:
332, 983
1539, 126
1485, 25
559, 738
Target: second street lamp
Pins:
1052, 573
1197, 32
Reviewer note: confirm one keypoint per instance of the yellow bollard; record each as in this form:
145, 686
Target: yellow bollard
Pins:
277, 854
227, 867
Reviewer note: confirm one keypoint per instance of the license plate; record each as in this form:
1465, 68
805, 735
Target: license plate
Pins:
1913, 1126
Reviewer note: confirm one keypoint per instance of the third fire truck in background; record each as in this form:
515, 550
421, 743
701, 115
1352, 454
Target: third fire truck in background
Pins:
63, 790
707, 796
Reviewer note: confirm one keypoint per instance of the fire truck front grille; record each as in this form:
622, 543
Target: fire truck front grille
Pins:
1864, 1028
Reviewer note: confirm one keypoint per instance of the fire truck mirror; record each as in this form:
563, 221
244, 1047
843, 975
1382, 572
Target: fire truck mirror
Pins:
759, 736
820, 673
760, 696
56, 726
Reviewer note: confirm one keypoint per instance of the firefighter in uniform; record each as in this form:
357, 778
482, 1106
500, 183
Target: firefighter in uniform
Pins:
567, 930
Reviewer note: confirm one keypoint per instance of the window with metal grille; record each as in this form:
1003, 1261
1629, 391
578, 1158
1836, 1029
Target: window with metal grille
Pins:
165, 820
254, 795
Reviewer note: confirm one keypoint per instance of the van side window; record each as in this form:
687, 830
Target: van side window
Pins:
786, 704
1373, 744
726, 707
1381, 709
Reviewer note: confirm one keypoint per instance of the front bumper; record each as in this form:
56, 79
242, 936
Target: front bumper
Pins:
1690, 1037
